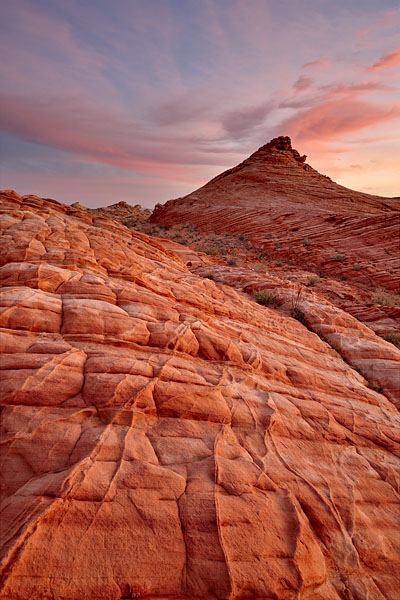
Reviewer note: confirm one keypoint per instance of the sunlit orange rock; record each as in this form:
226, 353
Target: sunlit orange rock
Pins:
164, 436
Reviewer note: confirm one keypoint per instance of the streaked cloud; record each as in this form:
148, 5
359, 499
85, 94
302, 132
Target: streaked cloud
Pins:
167, 93
336, 118
242, 121
388, 61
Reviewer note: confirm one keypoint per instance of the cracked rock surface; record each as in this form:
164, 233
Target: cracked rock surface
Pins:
164, 436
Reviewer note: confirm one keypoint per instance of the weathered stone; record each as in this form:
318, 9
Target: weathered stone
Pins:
164, 436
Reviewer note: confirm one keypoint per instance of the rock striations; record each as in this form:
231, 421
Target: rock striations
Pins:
164, 436
294, 213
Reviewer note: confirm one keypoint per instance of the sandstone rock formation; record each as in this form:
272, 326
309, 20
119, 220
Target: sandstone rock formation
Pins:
294, 213
164, 436
121, 211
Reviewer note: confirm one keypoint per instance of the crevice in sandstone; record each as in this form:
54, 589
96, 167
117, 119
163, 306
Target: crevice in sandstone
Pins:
218, 513
183, 529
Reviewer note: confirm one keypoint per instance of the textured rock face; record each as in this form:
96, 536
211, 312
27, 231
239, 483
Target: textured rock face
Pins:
292, 212
164, 436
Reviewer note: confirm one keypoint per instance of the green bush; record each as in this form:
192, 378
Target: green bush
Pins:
393, 338
312, 280
210, 250
298, 314
385, 299
265, 297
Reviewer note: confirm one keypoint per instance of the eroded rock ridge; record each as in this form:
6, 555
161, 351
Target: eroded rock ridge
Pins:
164, 436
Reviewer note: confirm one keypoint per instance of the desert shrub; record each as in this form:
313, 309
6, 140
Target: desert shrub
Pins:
357, 267
374, 385
265, 297
268, 236
393, 338
385, 299
231, 262
306, 243
296, 311
312, 280
209, 276
299, 315
210, 250
338, 258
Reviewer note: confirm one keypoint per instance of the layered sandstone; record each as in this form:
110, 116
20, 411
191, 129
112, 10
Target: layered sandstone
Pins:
291, 212
164, 436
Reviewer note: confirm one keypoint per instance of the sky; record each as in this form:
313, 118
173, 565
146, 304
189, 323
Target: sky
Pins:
146, 100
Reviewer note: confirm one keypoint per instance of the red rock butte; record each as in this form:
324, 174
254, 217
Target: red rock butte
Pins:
275, 193
166, 437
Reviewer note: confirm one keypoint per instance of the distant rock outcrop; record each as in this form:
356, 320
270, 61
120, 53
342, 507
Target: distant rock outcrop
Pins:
121, 211
164, 436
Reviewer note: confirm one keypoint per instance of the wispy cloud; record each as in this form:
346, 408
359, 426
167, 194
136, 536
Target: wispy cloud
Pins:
179, 110
336, 118
388, 61
302, 83
321, 63
163, 91
242, 121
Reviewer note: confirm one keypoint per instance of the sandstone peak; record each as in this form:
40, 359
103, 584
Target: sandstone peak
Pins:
293, 213
283, 143
276, 172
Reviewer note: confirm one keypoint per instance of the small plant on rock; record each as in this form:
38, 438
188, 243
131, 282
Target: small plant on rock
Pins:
393, 338
210, 250
296, 311
385, 299
312, 280
265, 297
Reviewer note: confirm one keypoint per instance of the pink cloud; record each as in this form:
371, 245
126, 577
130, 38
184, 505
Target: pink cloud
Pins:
322, 63
388, 61
357, 89
79, 126
333, 119
390, 20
